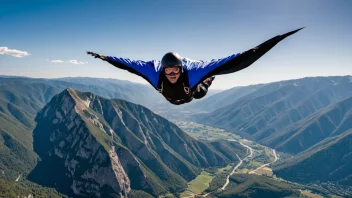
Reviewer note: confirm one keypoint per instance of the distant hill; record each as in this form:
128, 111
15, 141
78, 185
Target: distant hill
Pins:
109, 88
143, 94
223, 98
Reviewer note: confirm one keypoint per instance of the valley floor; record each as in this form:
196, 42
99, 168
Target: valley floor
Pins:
257, 162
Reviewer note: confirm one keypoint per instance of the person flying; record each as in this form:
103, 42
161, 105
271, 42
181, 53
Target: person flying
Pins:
180, 80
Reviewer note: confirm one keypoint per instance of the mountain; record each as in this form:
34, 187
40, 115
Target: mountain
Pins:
106, 147
263, 114
327, 122
251, 185
329, 160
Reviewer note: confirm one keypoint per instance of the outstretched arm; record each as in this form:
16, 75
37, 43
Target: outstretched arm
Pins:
150, 70
200, 70
248, 57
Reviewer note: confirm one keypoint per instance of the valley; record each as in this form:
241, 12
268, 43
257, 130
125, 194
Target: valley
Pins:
258, 161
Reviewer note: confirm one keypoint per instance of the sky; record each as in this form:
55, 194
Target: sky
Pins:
49, 38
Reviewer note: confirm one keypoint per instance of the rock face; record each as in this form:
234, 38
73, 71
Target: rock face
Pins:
90, 146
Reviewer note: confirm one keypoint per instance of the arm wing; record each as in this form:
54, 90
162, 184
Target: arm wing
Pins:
149, 70
200, 70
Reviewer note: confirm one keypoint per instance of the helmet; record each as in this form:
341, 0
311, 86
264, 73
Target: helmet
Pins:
171, 59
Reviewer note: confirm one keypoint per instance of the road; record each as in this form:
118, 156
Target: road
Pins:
235, 168
264, 165
233, 171
250, 150
276, 157
239, 164
18, 178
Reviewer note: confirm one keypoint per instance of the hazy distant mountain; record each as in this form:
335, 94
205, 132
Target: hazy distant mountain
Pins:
329, 160
92, 142
143, 94
264, 114
223, 98
109, 88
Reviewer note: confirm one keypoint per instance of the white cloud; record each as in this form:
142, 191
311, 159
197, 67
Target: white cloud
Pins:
57, 61
76, 62
13, 52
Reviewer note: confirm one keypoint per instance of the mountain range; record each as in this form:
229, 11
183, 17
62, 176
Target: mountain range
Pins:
278, 114
106, 137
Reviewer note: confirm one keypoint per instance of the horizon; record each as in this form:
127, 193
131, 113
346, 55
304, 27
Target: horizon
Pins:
210, 89
49, 39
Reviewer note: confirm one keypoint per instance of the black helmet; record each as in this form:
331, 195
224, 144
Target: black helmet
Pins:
171, 59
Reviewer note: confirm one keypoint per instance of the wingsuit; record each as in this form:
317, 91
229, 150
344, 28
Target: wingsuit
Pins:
195, 76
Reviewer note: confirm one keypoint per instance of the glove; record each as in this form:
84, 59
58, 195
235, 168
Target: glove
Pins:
97, 55
208, 81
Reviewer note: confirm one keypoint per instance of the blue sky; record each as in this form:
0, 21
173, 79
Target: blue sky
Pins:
40, 32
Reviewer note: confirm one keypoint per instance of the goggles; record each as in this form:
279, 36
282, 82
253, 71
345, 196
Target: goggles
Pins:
170, 70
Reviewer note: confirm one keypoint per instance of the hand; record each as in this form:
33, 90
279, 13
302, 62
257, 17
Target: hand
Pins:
209, 81
97, 55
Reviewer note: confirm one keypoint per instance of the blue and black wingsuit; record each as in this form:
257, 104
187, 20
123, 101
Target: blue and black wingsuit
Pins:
194, 72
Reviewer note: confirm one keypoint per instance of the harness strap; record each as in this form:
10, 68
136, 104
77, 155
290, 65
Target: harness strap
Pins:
161, 87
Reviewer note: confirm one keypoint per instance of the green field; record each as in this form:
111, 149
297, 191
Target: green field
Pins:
200, 183
265, 171
242, 170
186, 194
202, 132
309, 194
225, 169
